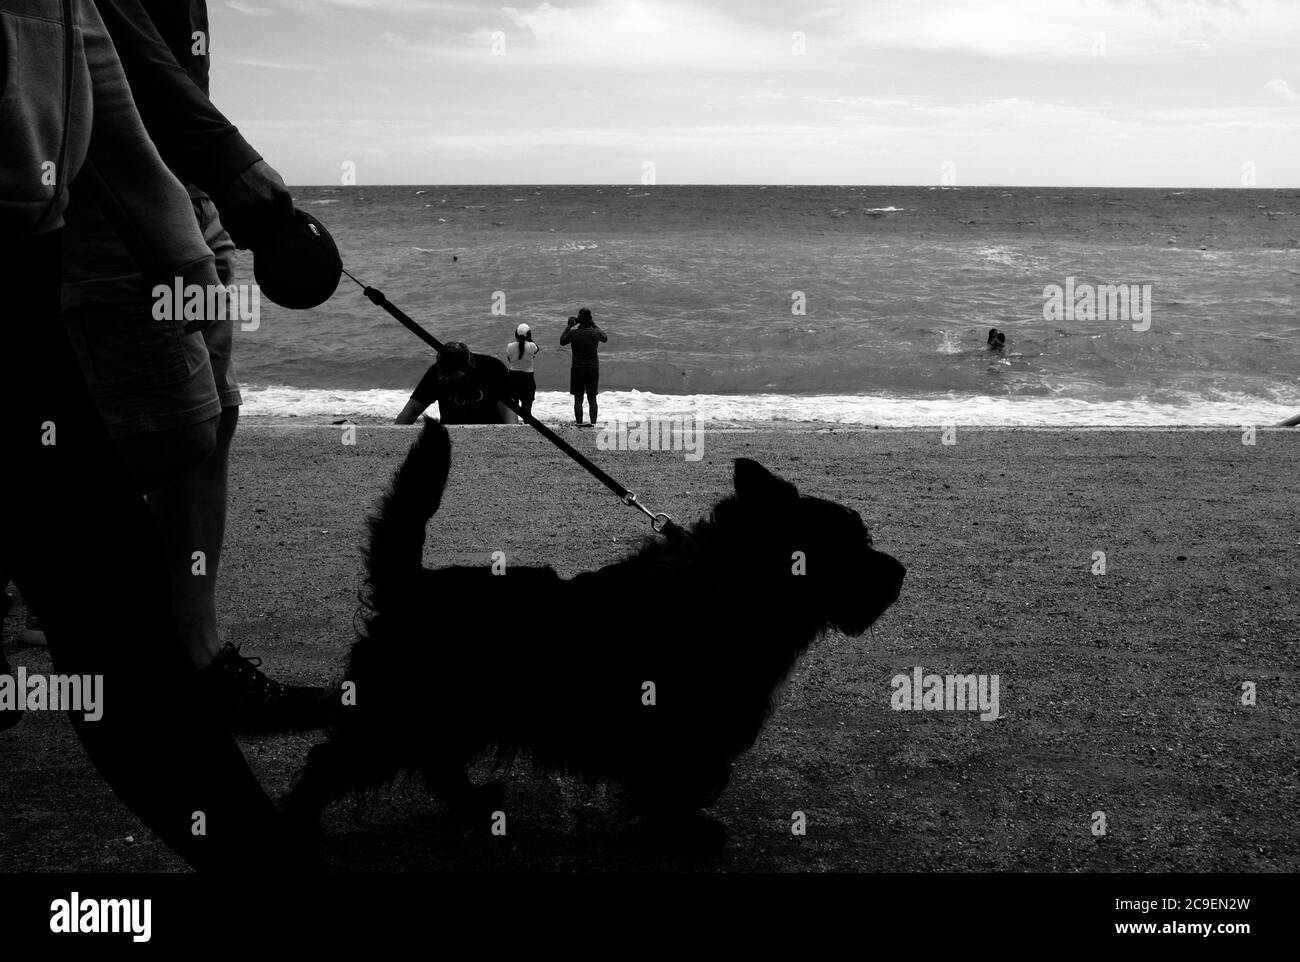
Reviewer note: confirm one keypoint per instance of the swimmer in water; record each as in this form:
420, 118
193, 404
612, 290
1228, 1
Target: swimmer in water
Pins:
997, 340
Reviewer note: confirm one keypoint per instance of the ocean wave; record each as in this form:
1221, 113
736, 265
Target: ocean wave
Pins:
845, 211
1231, 411
569, 247
1010, 257
952, 342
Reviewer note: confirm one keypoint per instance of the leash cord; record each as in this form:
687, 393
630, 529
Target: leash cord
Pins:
660, 523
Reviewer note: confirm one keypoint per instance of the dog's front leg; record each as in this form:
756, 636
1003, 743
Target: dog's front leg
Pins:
466, 800
672, 806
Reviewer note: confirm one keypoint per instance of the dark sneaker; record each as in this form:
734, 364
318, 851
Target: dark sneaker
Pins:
250, 702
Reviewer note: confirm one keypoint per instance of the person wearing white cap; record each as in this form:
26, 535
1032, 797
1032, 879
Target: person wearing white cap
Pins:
519, 358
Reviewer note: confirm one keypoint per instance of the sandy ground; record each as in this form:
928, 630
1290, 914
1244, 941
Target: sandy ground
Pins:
1119, 693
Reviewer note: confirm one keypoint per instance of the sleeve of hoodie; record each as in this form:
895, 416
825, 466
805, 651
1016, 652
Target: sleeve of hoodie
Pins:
141, 197
194, 138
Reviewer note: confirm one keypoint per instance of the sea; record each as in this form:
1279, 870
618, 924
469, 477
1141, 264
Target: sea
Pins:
862, 306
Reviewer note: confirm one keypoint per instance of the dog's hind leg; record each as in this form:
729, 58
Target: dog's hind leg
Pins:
714, 783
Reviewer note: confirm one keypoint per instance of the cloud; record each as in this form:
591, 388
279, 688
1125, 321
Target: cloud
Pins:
270, 64
859, 101
399, 6
637, 33
248, 9
711, 89
1077, 28
1283, 90
1162, 122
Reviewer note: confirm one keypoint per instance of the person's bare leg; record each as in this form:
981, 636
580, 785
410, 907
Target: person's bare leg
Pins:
591, 403
194, 508
577, 409
190, 509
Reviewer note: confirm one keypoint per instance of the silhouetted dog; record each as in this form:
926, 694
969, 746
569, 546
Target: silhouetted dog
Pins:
654, 672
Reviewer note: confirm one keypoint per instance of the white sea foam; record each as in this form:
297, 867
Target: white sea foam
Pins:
863, 410
954, 342
1011, 257
569, 246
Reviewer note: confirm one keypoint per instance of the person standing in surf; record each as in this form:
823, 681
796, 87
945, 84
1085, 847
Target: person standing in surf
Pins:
584, 374
519, 358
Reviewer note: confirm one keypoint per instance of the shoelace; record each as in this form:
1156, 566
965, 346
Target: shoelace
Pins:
242, 666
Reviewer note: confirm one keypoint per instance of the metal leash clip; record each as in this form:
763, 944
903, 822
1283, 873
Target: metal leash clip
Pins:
657, 521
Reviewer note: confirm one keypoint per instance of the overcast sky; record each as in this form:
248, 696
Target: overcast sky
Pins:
1034, 92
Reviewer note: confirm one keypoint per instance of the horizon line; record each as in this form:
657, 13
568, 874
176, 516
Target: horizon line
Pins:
788, 186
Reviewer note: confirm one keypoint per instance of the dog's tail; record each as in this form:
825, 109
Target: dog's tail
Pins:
396, 547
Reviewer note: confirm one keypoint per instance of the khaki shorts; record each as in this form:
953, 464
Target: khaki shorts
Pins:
148, 376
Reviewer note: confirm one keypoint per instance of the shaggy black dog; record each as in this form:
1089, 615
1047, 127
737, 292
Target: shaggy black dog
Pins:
655, 672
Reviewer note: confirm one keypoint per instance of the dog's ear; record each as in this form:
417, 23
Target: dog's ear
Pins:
755, 485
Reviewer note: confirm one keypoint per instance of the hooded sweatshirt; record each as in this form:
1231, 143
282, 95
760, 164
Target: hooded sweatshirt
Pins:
66, 114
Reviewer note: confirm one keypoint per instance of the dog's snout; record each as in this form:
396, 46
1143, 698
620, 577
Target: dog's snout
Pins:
891, 572
888, 568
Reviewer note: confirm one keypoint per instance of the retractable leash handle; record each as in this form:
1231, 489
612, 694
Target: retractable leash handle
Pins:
660, 523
